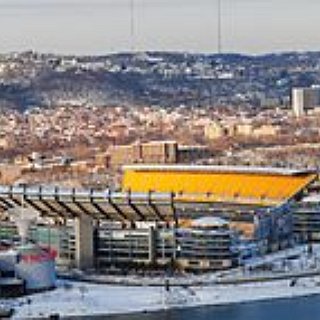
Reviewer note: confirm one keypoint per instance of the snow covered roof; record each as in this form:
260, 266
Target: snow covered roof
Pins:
314, 198
206, 222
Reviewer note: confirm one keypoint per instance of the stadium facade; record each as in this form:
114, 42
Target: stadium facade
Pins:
195, 217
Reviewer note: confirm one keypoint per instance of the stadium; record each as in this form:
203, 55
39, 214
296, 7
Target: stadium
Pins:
193, 218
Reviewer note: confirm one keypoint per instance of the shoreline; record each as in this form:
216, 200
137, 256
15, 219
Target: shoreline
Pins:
137, 315
96, 296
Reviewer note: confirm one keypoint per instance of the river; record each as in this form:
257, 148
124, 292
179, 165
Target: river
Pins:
303, 308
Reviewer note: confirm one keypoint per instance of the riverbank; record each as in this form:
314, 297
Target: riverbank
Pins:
286, 309
78, 299
293, 273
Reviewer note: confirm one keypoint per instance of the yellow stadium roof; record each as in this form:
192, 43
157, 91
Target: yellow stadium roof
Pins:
234, 184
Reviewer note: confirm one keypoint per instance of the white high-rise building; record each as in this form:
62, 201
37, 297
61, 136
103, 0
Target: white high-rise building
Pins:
304, 99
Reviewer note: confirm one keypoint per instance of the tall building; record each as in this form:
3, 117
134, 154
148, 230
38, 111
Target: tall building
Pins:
304, 99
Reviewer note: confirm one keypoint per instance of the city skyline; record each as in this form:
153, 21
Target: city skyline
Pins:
104, 26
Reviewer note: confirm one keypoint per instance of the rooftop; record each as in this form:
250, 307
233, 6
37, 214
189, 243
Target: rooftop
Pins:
313, 198
221, 169
207, 222
232, 184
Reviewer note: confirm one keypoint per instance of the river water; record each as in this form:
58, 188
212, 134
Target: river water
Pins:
303, 308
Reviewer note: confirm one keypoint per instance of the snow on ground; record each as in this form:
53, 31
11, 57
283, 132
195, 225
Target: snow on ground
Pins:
81, 299
75, 299
87, 299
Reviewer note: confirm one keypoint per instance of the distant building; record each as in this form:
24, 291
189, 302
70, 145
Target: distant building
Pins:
151, 152
304, 99
307, 218
245, 129
9, 173
161, 152
192, 153
215, 130
267, 130
258, 130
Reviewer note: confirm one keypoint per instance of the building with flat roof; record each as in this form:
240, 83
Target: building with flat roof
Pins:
157, 152
306, 216
304, 99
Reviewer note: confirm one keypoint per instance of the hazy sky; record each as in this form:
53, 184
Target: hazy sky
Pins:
102, 26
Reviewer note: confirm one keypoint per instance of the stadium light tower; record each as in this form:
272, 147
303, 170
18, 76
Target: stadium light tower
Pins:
132, 26
219, 29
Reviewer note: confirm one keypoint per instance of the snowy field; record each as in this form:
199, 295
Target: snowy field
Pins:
81, 299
